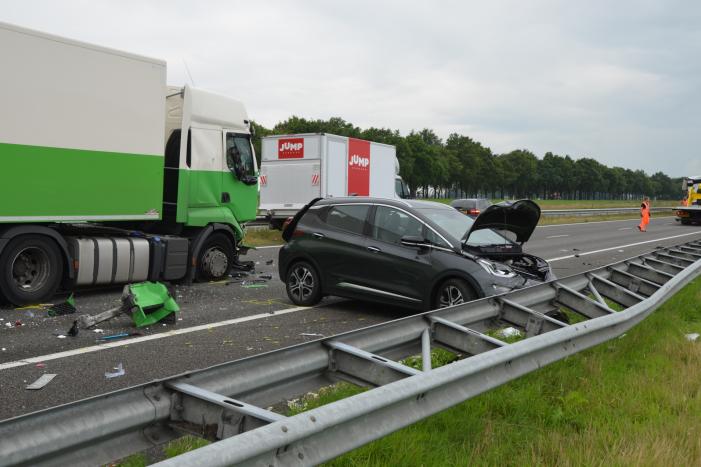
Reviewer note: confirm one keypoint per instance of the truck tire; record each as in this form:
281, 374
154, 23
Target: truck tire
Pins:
217, 256
31, 269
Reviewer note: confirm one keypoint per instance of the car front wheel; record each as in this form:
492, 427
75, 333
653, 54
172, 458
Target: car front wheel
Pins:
303, 285
453, 292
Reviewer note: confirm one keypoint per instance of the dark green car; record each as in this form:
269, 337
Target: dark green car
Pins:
417, 254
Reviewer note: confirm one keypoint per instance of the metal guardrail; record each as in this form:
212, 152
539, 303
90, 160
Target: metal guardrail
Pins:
598, 211
226, 402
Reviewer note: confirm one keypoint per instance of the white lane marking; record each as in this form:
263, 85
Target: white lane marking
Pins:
597, 222
136, 340
626, 228
557, 236
621, 246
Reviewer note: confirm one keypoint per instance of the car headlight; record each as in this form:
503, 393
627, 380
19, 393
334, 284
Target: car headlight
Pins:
497, 269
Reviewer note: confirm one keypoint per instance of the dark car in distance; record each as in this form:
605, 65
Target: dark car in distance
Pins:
471, 206
417, 254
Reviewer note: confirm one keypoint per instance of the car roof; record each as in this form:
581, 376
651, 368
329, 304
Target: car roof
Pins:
400, 203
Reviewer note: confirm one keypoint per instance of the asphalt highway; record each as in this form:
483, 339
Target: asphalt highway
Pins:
228, 320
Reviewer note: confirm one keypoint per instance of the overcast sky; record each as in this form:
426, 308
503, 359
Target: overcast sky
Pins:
614, 80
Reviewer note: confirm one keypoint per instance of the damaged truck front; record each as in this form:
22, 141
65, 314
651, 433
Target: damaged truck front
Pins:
109, 175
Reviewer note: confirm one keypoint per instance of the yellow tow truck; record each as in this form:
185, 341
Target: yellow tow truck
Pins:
690, 212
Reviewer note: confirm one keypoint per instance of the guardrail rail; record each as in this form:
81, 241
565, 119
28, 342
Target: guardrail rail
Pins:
233, 403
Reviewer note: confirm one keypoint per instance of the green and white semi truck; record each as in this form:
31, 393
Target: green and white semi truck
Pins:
107, 175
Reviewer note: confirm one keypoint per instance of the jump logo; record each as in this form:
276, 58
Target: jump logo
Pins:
290, 148
358, 161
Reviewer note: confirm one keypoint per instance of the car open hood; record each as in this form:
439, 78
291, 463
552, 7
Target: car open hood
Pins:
519, 217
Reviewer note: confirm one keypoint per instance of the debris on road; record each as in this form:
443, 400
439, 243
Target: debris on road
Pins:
42, 381
254, 286
66, 307
269, 262
73, 331
310, 334
119, 336
693, 337
265, 276
18, 323
61, 336
118, 371
148, 303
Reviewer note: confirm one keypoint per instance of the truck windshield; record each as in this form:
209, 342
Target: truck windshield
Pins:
239, 155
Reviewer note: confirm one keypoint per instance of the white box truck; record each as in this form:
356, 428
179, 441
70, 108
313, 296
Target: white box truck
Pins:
110, 176
298, 168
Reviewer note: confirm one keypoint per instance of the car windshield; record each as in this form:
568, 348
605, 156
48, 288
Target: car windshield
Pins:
457, 224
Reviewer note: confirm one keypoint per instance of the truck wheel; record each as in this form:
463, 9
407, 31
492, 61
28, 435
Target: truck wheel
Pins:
453, 292
302, 284
216, 258
31, 269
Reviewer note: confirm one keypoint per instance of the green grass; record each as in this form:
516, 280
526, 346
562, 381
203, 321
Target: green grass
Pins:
172, 449
635, 400
263, 237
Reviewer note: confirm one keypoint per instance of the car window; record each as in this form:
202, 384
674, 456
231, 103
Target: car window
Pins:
350, 218
434, 239
390, 225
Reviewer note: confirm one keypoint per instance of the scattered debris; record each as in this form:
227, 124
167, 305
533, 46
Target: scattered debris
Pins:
18, 323
622, 336
310, 334
509, 332
98, 331
265, 276
269, 262
41, 365
61, 336
244, 265
8, 325
693, 337
118, 371
119, 336
73, 331
42, 381
147, 302
66, 307
4, 349
253, 286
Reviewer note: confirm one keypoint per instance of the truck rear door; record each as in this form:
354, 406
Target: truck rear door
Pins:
290, 173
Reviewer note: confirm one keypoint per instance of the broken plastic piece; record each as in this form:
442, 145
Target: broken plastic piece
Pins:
509, 332
118, 371
42, 381
254, 286
265, 276
63, 308
269, 262
73, 331
693, 337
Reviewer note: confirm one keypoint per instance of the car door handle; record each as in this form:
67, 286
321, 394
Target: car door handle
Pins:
374, 249
318, 235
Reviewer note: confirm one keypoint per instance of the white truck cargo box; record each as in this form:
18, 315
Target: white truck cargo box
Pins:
298, 168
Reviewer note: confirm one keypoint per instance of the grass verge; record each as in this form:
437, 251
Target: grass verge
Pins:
635, 400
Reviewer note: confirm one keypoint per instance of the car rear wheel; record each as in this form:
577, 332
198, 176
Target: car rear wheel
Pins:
302, 284
453, 292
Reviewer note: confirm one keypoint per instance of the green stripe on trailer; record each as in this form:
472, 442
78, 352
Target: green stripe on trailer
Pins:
40, 183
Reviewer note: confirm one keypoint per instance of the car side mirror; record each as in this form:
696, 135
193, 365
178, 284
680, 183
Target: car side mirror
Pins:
413, 241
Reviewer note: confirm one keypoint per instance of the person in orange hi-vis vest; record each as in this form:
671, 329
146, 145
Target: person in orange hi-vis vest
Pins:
644, 215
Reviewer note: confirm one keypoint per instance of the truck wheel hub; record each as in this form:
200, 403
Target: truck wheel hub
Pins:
215, 262
30, 269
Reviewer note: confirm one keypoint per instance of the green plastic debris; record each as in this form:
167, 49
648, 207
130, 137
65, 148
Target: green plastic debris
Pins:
149, 303
63, 308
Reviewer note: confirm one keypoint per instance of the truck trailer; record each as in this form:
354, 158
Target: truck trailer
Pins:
297, 168
111, 176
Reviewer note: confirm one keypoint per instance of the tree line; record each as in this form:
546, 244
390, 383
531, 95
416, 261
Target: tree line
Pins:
463, 167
